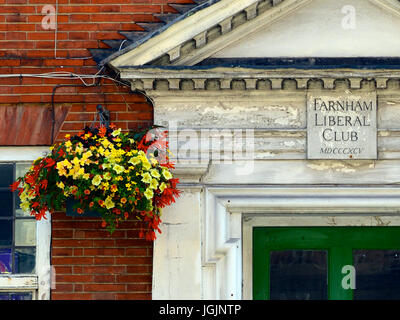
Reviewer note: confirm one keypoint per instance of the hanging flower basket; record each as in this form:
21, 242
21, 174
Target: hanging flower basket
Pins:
106, 172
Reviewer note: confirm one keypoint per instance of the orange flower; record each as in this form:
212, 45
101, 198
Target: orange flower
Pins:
126, 215
103, 224
101, 202
123, 200
114, 188
87, 191
91, 204
79, 210
102, 131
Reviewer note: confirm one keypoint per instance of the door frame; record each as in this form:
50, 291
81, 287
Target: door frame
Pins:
210, 229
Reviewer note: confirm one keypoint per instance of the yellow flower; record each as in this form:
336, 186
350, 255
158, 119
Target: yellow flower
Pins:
105, 143
107, 176
105, 185
148, 194
146, 165
60, 185
67, 164
155, 173
86, 176
79, 148
162, 187
134, 161
114, 188
109, 203
68, 144
146, 178
87, 155
116, 132
76, 161
118, 169
153, 184
96, 180
100, 150
167, 175
24, 206
67, 136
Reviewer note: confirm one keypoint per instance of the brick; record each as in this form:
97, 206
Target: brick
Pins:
103, 278
104, 296
73, 278
104, 252
133, 296
102, 287
103, 260
136, 252
104, 269
133, 278
71, 296
72, 260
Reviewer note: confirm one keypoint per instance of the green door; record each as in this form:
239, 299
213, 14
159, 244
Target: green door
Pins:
318, 263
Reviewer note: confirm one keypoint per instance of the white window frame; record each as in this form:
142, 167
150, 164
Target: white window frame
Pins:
40, 282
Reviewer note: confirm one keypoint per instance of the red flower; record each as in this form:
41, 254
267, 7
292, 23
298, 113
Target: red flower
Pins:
50, 162
15, 185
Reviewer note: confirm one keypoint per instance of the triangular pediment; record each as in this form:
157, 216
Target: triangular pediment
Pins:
325, 28
269, 29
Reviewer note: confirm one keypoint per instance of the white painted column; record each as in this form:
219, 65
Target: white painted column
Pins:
43, 267
177, 251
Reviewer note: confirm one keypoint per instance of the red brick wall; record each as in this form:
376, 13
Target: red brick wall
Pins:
92, 264
89, 263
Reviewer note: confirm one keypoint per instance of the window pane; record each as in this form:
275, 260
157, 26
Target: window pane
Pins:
21, 169
25, 260
6, 175
377, 274
5, 260
5, 232
25, 232
15, 295
298, 275
6, 203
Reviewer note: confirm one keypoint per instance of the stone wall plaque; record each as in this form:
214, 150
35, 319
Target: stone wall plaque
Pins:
341, 125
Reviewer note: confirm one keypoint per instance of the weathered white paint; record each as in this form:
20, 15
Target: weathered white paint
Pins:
177, 251
316, 31
22, 153
43, 258
181, 32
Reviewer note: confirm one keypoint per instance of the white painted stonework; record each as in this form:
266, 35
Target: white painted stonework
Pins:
321, 29
205, 250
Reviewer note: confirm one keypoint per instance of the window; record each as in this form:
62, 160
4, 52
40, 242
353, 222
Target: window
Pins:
299, 263
25, 243
17, 237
